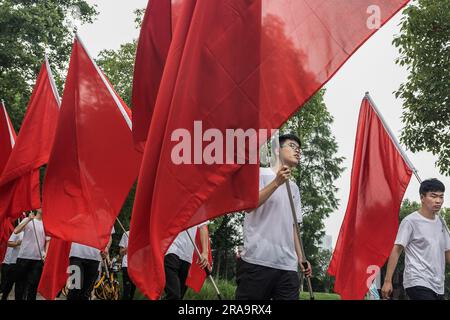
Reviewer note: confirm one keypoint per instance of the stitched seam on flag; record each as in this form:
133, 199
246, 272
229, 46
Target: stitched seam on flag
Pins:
9, 126
52, 83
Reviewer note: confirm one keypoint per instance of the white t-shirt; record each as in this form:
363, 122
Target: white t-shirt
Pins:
182, 245
425, 242
12, 253
124, 244
86, 252
29, 247
268, 230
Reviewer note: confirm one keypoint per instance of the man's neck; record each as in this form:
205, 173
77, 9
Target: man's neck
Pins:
427, 214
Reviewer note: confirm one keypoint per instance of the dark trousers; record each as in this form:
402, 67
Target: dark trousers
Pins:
422, 293
176, 273
255, 282
128, 286
28, 274
8, 279
88, 273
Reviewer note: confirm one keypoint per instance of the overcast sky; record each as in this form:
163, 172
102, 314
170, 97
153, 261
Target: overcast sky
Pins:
371, 68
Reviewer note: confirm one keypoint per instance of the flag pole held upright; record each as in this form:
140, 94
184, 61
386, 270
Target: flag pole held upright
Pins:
297, 234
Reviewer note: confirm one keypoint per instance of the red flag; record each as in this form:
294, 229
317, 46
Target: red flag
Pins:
54, 275
7, 141
19, 182
6, 229
231, 65
197, 275
8, 137
379, 180
151, 54
93, 163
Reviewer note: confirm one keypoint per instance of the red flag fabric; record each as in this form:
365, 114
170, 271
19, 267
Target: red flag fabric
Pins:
151, 54
197, 275
93, 163
19, 181
54, 275
7, 141
8, 137
379, 180
6, 229
232, 64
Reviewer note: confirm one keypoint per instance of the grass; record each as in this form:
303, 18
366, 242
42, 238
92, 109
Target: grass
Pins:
227, 290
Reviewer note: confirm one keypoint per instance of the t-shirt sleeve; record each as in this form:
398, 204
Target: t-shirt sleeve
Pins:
122, 242
404, 233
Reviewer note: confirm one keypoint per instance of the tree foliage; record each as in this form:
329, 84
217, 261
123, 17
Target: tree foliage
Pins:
424, 49
28, 30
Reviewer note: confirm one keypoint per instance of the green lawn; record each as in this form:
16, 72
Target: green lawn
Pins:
227, 290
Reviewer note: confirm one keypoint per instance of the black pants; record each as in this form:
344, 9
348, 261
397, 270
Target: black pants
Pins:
88, 273
8, 279
422, 293
176, 274
28, 274
128, 286
255, 282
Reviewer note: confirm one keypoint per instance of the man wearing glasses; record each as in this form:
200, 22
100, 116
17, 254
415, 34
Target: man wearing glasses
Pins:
268, 264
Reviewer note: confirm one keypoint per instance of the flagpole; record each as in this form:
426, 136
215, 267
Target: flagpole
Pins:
52, 81
299, 238
122, 227
393, 138
400, 149
206, 269
37, 240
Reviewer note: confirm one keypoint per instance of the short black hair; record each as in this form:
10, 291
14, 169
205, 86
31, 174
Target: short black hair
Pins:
431, 185
284, 137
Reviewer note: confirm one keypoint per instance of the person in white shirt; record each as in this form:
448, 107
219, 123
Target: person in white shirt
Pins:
128, 286
30, 260
268, 264
178, 260
426, 241
9, 264
86, 260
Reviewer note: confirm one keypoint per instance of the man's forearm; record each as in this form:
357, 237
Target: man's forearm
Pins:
204, 238
298, 248
22, 225
392, 263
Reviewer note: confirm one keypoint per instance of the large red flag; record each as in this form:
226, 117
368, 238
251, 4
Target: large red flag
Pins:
7, 141
379, 180
7, 137
93, 163
54, 275
231, 65
151, 54
19, 181
197, 275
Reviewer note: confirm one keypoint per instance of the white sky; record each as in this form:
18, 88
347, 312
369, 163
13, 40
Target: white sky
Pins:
371, 68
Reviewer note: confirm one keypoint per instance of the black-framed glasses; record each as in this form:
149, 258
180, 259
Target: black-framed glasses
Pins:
293, 146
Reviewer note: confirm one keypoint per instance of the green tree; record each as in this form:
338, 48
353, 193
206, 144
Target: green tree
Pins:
28, 29
226, 235
119, 67
319, 168
424, 50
